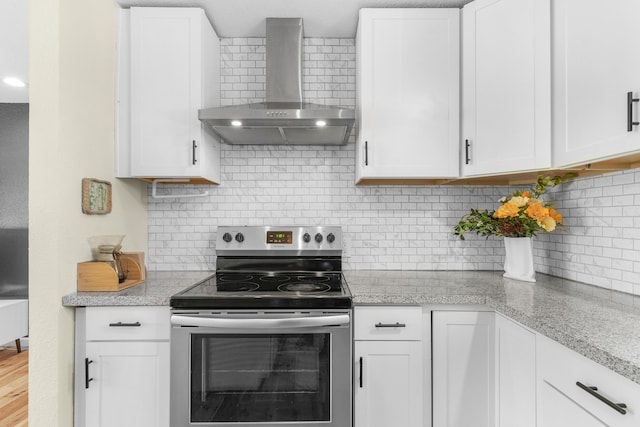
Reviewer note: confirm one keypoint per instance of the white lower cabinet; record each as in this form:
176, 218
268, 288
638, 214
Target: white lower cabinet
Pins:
129, 384
515, 374
388, 386
561, 400
122, 367
463, 359
488, 370
388, 371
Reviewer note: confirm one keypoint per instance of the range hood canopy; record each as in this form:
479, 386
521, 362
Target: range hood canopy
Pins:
284, 118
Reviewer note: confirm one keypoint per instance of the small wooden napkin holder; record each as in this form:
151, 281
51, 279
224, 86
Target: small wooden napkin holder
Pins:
100, 276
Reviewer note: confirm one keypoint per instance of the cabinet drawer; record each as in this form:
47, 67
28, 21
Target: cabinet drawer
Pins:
127, 323
386, 323
560, 369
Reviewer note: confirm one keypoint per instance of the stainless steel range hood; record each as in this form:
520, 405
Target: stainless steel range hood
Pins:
283, 118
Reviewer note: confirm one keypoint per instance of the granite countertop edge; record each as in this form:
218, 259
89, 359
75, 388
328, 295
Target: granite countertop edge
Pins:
543, 310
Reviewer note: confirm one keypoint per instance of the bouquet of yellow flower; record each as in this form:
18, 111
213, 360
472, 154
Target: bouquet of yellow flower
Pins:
523, 214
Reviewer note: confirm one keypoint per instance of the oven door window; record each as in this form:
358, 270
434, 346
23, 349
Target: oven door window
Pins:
260, 378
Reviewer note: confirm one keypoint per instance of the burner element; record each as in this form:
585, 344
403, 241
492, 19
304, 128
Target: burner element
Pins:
234, 277
274, 280
305, 287
315, 278
237, 286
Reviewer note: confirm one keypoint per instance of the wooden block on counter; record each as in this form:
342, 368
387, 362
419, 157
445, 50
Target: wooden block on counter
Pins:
138, 258
100, 276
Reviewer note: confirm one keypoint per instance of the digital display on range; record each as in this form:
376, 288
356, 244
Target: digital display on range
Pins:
280, 237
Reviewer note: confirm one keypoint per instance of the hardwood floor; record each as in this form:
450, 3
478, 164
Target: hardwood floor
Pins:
14, 371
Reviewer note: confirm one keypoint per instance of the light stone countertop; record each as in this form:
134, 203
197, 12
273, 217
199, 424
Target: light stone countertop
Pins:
155, 290
600, 324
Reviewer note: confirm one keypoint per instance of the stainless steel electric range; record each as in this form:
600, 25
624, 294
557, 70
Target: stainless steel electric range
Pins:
267, 340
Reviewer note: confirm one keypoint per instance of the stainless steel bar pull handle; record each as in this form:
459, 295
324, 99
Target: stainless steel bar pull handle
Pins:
593, 391
264, 323
203, 373
630, 101
87, 380
390, 325
124, 325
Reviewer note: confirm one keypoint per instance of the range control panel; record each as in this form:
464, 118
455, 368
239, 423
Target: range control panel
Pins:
312, 239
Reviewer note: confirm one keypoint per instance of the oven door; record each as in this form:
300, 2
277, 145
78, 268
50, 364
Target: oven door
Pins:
247, 368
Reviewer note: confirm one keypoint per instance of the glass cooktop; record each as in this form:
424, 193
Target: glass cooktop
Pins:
260, 290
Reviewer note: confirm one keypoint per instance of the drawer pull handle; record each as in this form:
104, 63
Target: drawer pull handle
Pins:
390, 325
593, 391
126, 325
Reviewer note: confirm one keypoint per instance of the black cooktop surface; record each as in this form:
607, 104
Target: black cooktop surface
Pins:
267, 290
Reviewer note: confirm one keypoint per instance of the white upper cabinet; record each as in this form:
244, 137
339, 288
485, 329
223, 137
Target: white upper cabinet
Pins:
169, 68
506, 89
596, 62
407, 94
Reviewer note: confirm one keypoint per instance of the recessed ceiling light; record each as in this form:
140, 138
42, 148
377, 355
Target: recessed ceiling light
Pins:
12, 81
236, 123
321, 123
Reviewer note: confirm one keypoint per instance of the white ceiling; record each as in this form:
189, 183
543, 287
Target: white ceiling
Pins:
321, 18
14, 49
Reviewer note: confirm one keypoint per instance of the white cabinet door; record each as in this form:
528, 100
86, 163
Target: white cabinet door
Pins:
172, 71
463, 373
407, 93
388, 384
557, 410
506, 99
595, 64
515, 374
129, 384
562, 403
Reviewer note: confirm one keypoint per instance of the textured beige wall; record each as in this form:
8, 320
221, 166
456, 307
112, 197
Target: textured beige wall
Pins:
72, 135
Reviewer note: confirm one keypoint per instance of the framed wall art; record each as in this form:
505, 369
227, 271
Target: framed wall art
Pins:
96, 196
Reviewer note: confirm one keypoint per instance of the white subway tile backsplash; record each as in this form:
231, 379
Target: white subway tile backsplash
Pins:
385, 227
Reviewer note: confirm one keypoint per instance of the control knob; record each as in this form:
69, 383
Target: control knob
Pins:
306, 237
331, 238
226, 237
318, 238
239, 238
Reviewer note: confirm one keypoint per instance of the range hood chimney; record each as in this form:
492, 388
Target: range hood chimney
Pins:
283, 118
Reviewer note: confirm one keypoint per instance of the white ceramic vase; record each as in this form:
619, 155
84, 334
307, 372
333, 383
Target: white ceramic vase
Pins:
518, 259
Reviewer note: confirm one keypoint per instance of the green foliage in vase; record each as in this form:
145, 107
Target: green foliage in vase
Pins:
522, 214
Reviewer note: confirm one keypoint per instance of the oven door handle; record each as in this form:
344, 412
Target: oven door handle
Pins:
260, 323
